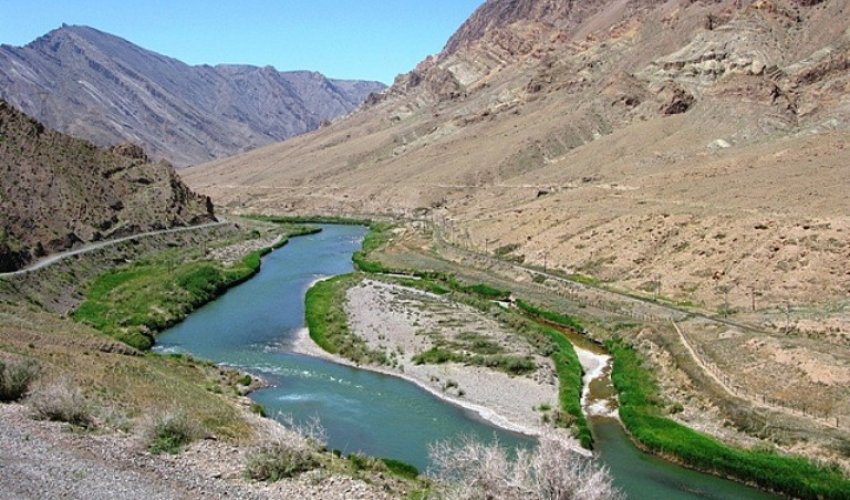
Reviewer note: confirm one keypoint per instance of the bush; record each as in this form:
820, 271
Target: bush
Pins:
400, 469
279, 461
15, 379
61, 402
170, 432
552, 471
258, 409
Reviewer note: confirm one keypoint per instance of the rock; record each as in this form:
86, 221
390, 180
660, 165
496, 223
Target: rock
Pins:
676, 100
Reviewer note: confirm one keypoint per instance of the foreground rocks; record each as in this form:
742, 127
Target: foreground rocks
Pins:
47, 459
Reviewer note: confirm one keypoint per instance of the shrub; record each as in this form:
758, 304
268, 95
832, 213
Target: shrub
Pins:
61, 402
258, 409
170, 432
552, 471
15, 379
400, 469
279, 461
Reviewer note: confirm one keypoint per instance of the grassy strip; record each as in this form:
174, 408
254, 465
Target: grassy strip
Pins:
328, 324
553, 317
135, 302
570, 384
378, 236
508, 363
400, 469
640, 411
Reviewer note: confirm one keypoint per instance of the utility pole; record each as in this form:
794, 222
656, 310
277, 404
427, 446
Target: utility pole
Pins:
657, 286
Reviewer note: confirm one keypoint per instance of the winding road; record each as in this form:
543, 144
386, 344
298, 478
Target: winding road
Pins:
52, 259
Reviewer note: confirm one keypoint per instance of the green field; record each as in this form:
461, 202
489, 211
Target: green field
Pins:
132, 303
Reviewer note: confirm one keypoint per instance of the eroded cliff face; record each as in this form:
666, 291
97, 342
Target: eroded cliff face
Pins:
99, 87
693, 140
57, 192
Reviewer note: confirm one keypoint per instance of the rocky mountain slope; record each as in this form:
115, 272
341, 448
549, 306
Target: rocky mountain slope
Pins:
57, 192
93, 85
693, 150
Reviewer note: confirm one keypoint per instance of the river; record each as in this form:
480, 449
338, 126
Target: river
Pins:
251, 327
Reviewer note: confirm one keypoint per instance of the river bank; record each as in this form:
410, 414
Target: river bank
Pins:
303, 344
450, 349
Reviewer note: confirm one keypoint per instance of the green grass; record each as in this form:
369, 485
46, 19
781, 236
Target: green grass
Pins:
400, 469
134, 302
552, 317
170, 433
328, 324
583, 279
641, 410
377, 237
570, 384
486, 291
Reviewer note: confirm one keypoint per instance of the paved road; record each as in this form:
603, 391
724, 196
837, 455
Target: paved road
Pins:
52, 259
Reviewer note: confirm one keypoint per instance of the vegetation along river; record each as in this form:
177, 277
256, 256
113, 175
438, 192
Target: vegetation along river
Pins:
252, 326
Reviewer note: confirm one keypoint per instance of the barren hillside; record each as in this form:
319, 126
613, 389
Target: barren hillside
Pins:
695, 150
57, 192
99, 87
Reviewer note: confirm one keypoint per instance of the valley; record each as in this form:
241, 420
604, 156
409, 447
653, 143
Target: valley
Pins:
588, 250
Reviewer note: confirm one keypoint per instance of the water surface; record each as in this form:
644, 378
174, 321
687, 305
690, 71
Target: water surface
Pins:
645, 476
251, 327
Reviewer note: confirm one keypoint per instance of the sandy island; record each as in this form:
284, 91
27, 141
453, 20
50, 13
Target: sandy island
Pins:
404, 322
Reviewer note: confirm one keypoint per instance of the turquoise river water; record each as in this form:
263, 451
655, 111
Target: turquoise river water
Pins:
251, 327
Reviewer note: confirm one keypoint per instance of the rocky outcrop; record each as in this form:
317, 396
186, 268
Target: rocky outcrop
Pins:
99, 87
57, 192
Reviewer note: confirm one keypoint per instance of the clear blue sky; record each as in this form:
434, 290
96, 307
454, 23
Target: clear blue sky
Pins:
362, 39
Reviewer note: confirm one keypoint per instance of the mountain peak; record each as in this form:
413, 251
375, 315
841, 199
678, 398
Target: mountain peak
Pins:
95, 85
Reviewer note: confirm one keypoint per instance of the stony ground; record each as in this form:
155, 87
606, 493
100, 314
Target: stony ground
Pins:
50, 460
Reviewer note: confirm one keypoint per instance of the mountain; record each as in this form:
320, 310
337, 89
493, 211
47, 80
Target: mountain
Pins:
57, 192
702, 142
93, 85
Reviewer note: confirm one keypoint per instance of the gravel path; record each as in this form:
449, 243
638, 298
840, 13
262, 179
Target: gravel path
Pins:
47, 460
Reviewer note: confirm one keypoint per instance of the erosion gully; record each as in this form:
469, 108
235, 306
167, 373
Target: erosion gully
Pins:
253, 326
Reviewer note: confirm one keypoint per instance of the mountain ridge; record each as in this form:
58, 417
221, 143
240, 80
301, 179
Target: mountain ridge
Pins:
57, 192
660, 120
98, 86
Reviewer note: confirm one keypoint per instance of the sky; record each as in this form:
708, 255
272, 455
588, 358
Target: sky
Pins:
352, 39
